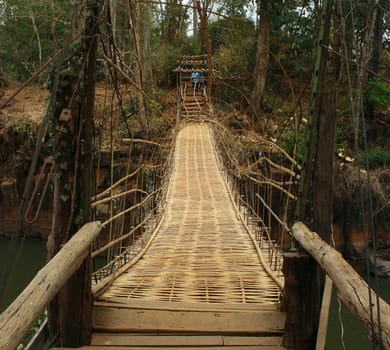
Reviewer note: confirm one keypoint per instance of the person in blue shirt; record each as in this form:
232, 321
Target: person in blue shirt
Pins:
195, 79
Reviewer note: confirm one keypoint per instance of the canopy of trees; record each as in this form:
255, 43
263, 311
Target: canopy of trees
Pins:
263, 51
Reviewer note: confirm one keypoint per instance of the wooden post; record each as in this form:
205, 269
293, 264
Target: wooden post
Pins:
303, 278
76, 298
19, 317
323, 173
318, 82
301, 302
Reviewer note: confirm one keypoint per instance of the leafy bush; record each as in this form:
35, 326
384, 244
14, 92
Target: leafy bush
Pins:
378, 94
290, 140
377, 157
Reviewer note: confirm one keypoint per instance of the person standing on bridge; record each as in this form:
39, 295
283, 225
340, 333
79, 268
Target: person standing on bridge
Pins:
195, 79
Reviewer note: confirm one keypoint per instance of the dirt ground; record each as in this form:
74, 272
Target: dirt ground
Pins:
29, 105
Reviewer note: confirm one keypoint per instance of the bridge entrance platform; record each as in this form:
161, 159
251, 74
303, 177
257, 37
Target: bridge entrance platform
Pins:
201, 283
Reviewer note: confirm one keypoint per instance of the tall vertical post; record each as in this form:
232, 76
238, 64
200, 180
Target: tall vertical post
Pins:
312, 129
203, 26
303, 278
76, 320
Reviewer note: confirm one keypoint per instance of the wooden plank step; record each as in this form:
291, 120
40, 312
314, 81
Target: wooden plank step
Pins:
121, 319
123, 339
184, 306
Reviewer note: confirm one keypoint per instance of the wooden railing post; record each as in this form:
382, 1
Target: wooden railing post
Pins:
301, 300
19, 317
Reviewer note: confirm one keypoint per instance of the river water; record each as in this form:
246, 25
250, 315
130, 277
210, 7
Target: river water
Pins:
33, 258
355, 337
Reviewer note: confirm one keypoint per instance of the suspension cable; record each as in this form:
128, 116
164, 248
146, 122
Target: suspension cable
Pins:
369, 187
356, 136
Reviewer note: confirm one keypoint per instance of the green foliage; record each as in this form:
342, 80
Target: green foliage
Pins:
233, 41
377, 156
292, 140
231, 32
159, 126
378, 94
293, 37
165, 62
24, 129
35, 328
131, 108
19, 44
173, 26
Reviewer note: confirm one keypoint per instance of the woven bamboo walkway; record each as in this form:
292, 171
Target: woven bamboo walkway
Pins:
200, 284
202, 252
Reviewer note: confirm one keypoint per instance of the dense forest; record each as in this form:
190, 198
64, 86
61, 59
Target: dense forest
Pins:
262, 53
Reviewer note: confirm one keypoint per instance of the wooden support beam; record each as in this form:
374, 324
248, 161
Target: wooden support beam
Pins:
19, 317
301, 304
303, 310
352, 289
323, 171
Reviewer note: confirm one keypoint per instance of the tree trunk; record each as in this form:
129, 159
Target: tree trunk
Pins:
53, 22
365, 60
377, 39
134, 19
113, 19
36, 32
262, 59
367, 45
203, 23
376, 51
337, 44
195, 20
70, 313
147, 68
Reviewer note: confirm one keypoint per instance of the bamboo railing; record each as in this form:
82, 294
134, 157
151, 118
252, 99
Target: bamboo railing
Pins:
257, 192
132, 208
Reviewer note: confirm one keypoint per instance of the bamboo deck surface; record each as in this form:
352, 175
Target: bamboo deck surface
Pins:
202, 252
200, 284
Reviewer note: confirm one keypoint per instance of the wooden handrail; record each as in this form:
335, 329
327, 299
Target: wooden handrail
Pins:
352, 289
20, 316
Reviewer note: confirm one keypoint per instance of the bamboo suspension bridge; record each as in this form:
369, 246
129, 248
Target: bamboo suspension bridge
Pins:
185, 255
201, 273
201, 251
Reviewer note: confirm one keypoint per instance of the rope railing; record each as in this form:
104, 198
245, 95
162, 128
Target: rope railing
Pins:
262, 200
131, 208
